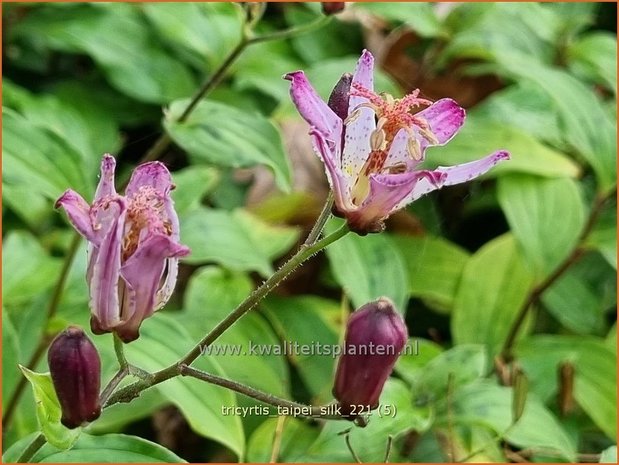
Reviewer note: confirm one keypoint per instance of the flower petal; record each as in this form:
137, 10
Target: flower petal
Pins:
78, 212
361, 125
105, 271
467, 171
153, 174
313, 109
338, 182
142, 273
106, 181
445, 118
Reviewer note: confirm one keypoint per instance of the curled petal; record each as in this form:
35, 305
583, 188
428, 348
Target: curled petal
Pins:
104, 302
142, 273
313, 109
153, 174
361, 122
106, 181
78, 212
467, 171
445, 117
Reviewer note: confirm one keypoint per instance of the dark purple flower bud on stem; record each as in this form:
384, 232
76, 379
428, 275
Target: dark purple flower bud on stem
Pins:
375, 336
331, 8
340, 95
75, 368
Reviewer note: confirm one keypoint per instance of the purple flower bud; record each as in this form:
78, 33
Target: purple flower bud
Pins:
75, 368
375, 336
330, 8
340, 95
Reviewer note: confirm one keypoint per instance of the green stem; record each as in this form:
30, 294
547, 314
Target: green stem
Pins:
325, 214
38, 442
308, 411
305, 252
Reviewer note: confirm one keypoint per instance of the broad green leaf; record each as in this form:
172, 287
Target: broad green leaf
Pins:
589, 129
37, 161
369, 267
594, 56
603, 237
435, 268
248, 350
482, 135
48, 410
494, 285
486, 404
595, 373
393, 417
164, 341
10, 358
532, 206
236, 240
609, 455
420, 17
120, 41
300, 320
202, 33
211, 135
192, 184
28, 269
296, 436
410, 364
113, 448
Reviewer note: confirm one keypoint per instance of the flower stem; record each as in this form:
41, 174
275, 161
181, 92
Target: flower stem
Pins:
538, 291
38, 442
309, 411
325, 214
305, 252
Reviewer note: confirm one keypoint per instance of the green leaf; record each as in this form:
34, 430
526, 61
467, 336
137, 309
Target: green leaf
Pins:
370, 443
489, 405
10, 358
435, 268
594, 56
211, 135
296, 436
529, 202
482, 135
29, 270
301, 320
609, 455
595, 373
48, 410
37, 161
420, 17
113, 448
120, 41
494, 286
202, 33
413, 361
211, 295
589, 130
603, 237
164, 341
236, 240
192, 184
369, 267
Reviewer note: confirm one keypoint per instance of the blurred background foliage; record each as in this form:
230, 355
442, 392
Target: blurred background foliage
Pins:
536, 237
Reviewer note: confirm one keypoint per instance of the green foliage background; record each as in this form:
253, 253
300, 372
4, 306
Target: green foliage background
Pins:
537, 79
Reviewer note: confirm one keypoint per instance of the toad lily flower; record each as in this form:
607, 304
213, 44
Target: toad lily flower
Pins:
133, 246
372, 154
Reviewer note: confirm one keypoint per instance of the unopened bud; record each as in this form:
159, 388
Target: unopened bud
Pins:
375, 336
75, 368
330, 8
340, 95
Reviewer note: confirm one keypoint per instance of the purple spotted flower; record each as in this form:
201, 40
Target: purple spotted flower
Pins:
133, 246
372, 155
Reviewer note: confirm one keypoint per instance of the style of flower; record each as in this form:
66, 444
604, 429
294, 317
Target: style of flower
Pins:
372, 155
133, 246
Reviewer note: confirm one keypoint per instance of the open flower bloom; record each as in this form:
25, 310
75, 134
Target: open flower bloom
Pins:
372, 155
133, 246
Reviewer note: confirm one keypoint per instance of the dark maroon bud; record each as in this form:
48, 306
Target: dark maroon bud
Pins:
338, 100
375, 336
330, 8
75, 368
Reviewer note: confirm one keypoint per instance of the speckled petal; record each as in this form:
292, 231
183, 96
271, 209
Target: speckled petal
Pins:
153, 174
359, 128
445, 118
78, 212
467, 171
106, 187
313, 109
